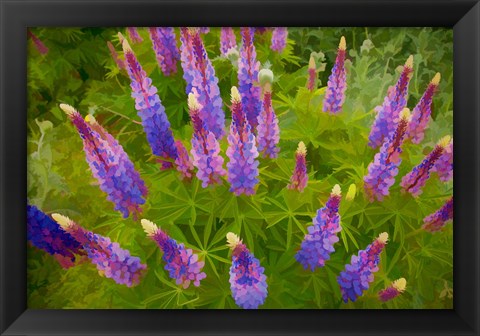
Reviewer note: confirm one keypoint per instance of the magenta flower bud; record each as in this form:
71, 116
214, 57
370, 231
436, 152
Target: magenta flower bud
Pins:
120, 63
227, 40
395, 289
165, 47
444, 164
42, 49
357, 276
180, 262
279, 39
183, 162
110, 259
421, 113
299, 177
337, 82
268, 132
387, 114
312, 75
133, 35
384, 168
436, 221
247, 281
322, 235
414, 181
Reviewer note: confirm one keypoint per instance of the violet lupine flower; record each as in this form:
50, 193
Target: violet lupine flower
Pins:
183, 162
151, 111
279, 39
337, 82
247, 281
227, 40
44, 233
388, 112
109, 164
120, 63
133, 35
242, 151
312, 75
203, 30
299, 178
322, 235
248, 68
358, 275
165, 47
180, 262
444, 164
436, 221
110, 259
421, 113
414, 181
187, 58
268, 132
395, 289
384, 168
42, 49
205, 148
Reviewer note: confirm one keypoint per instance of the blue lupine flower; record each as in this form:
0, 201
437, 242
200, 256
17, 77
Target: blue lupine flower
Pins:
337, 82
165, 47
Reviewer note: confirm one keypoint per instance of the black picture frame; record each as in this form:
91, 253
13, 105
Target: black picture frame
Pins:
17, 15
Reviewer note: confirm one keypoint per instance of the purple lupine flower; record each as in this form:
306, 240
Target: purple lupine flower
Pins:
165, 47
444, 164
248, 68
436, 221
322, 235
268, 133
44, 233
337, 82
394, 102
133, 35
227, 40
384, 168
279, 39
180, 262
42, 49
414, 181
110, 259
183, 162
151, 111
205, 148
120, 63
312, 75
395, 289
247, 281
299, 178
421, 113
358, 275
203, 30
242, 151
187, 58
109, 164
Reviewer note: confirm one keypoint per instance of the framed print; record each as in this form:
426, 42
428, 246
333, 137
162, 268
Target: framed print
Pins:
251, 168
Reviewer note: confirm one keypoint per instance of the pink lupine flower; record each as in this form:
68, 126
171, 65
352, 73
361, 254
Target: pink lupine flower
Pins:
299, 177
227, 40
387, 114
42, 49
120, 63
183, 162
133, 35
337, 82
279, 39
312, 75
165, 47
436, 221
395, 289
268, 132
444, 164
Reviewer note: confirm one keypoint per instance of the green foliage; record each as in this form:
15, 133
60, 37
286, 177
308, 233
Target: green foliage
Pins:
80, 71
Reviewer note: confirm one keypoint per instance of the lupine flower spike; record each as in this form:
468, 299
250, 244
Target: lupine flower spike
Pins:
414, 181
388, 113
227, 40
384, 168
120, 63
436, 221
165, 47
247, 281
337, 82
183, 161
180, 262
444, 164
322, 235
421, 113
110, 259
44, 233
133, 35
279, 39
268, 132
312, 75
205, 148
109, 164
151, 111
42, 49
242, 151
358, 275
395, 289
299, 177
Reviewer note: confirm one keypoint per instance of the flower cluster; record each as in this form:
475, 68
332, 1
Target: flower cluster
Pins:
227, 40
337, 82
109, 164
436, 221
395, 289
120, 63
299, 178
44, 233
133, 35
414, 181
394, 102
110, 259
358, 275
322, 235
279, 39
384, 168
268, 132
312, 75
42, 49
181, 263
165, 47
247, 281
444, 164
